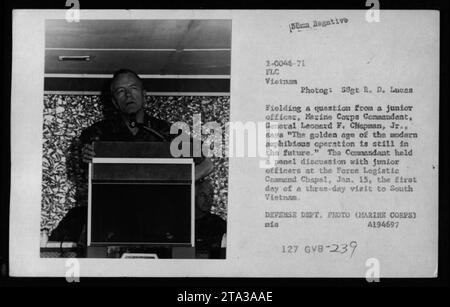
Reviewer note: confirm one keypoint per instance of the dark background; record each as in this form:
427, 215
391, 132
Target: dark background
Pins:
284, 289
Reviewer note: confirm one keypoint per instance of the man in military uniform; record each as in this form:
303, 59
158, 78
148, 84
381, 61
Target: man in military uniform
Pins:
132, 124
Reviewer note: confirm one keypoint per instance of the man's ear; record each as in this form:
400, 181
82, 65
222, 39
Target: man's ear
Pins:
114, 102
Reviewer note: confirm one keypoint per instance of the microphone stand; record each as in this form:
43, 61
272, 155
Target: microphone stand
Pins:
133, 123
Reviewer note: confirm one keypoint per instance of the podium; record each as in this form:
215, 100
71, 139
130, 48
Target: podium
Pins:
139, 195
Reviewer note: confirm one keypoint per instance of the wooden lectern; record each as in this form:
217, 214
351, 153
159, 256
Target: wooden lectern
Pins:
139, 195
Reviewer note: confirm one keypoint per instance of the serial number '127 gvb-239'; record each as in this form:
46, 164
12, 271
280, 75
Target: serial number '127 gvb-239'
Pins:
338, 248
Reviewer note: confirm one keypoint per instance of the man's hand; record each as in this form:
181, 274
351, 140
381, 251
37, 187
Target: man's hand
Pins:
87, 153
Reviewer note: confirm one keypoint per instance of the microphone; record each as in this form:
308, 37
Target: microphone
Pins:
133, 123
159, 135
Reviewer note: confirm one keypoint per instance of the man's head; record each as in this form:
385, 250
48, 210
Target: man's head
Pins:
127, 92
203, 198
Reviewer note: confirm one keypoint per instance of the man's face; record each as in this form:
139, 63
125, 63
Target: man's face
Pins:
127, 93
203, 197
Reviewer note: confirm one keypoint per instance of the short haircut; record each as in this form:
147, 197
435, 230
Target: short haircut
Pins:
124, 71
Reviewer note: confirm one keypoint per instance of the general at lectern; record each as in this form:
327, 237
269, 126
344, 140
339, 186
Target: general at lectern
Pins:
131, 123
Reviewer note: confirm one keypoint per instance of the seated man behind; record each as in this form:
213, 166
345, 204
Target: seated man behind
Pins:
209, 227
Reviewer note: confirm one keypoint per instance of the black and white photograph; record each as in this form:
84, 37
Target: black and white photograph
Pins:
251, 144
111, 186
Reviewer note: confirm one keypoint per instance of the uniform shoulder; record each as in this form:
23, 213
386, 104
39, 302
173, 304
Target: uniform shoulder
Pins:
161, 126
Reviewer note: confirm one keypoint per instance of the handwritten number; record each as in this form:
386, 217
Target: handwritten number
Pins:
353, 245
